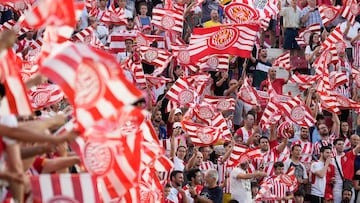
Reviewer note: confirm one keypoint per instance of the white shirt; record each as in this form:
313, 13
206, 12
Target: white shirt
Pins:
318, 187
240, 189
178, 164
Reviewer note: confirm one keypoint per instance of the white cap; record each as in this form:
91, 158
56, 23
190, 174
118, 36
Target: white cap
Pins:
177, 124
177, 111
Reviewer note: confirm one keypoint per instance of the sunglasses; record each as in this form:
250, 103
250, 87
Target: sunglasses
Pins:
177, 127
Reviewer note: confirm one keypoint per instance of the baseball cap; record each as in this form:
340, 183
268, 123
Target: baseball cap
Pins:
177, 125
177, 111
146, 27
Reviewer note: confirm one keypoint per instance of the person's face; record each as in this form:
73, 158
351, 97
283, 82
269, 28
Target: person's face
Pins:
279, 170
208, 179
179, 179
227, 148
103, 3
158, 116
198, 159
214, 15
316, 38
179, 72
181, 152
354, 140
304, 133
177, 117
167, 191
130, 25
296, 152
264, 144
272, 73
326, 154
263, 53
293, 3
344, 127
346, 195
198, 178
206, 153
238, 140
323, 130
232, 83
143, 10
311, 3
122, 3
168, 86
128, 45
254, 191
147, 31
299, 199
339, 146
249, 120
251, 79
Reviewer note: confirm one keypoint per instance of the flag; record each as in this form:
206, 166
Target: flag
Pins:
328, 13
241, 151
247, 93
45, 95
181, 93
241, 13
84, 74
117, 40
11, 25
303, 81
345, 103
216, 62
147, 40
64, 188
336, 79
305, 33
350, 10
156, 82
112, 150
327, 101
88, 36
157, 57
271, 115
237, 40
115, 16
168, 19
335, 37
16, 100
283, 61
218, 121
201, 135
298, 112
221, 103
51, 12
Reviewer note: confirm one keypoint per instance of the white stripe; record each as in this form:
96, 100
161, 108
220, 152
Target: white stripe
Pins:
66, 185
46, 187
88, 189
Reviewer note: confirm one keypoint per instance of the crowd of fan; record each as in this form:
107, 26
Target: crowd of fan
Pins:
324, 158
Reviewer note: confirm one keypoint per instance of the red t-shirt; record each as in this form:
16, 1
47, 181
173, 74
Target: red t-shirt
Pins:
277, 84
347, 164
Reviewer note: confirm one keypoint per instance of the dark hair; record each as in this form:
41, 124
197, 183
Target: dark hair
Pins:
346, 189
174, 173
263, 137
311, 41
192, 173
254, 184
226, 144
300, 192
201, 149
338, 140
278, 164
167, 185
295, 145
2, 90
320, 117
233, 201
348, 134
323, 148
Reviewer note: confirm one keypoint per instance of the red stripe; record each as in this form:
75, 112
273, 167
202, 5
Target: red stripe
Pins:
77, 187
56, 186
36, 189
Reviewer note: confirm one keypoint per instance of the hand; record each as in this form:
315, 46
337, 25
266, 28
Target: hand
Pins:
66, 137
311, 10
261, 174
59, 120
11, 176
192, 191
327, 162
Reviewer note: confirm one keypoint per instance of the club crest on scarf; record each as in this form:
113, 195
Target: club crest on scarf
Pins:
260, 4
184, 57
89, 84
185, 97
167, 22
62, 199
240, 13
224, 38
150, 55
297, 113
213, 62
98, 158
223, 105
